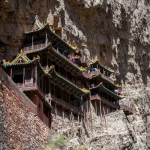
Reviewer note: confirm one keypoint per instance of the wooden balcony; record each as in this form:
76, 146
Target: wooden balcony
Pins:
65, 105
104, 101
34, 47
31, 87
94, 73
66, 57
126, 109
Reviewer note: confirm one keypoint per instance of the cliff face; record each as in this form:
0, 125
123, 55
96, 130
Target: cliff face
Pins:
114, 31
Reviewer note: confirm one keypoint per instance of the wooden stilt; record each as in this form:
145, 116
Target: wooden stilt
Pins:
101, 114
82, 127
105, 117
63, 119
95, 108
78, 118
72, 122
56, 117
91, 115
87, 114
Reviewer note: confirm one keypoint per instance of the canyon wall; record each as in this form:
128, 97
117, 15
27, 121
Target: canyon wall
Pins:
114, 31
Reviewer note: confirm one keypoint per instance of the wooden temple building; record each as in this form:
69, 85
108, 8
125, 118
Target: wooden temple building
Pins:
52, 74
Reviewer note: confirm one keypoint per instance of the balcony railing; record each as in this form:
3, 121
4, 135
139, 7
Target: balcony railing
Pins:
34, 47
66, 57
94, 73
103, 100
30, 85
126, 108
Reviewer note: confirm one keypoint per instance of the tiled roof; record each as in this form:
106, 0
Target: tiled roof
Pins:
43, 26
21, 59
104, 89
52, 74
104, 79
107, 69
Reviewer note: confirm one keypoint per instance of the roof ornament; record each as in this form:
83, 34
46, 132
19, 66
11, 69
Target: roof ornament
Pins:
21, 52
36, 18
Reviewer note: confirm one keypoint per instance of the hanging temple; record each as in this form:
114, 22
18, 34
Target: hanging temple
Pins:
52, 74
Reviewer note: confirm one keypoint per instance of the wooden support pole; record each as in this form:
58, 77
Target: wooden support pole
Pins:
63, 118
95, 108
105, 117
11, 72
91, 115
56, 117
87, 112
72, 120
101, 114
78, 118
82, 127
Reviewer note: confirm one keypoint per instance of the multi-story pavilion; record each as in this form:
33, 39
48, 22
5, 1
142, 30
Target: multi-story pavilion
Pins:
50, 72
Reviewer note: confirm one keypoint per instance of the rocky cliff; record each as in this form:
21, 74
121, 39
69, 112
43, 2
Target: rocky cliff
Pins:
114, 31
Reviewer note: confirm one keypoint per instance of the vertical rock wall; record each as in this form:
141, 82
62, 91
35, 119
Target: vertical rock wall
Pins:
114, 31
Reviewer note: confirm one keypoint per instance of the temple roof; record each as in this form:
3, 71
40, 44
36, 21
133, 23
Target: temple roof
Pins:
53, 54
21, 59
99, 75
38, 26
63, 83
107, 91
101, 66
